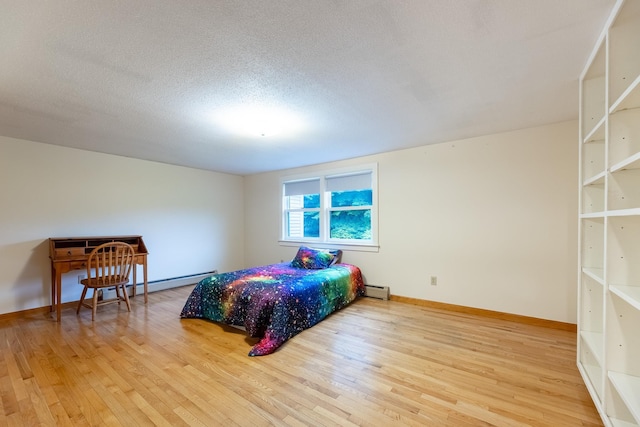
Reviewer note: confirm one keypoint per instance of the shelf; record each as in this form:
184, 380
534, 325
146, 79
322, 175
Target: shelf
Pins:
597, 133
623, 247
623, 58
593, 159
622, 191
624, 63
593, 89
632, 162
596, 274
592, 215
592, 376
630, 294
609, 233
624, 212
629, 100
595, 342
592, 199
595, 180
624, 138
592, 240
593, 104
628, 387
591, 373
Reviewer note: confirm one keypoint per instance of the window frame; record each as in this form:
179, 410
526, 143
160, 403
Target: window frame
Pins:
324, 240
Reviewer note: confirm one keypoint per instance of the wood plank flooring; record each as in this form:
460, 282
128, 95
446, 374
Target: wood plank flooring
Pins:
375, 363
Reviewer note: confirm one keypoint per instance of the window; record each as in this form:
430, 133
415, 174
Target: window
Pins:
302, 209
335, 208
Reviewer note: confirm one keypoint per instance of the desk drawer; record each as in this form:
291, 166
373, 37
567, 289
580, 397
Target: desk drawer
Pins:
69, 252
77, 265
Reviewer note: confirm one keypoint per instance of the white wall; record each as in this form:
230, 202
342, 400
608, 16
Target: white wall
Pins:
493, 217
191, 220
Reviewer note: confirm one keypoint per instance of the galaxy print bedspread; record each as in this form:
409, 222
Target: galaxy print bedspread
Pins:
274, 302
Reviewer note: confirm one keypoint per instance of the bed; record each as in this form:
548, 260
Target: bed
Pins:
277, 301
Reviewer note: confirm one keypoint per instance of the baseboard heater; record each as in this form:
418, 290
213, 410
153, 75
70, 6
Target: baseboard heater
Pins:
380, 292
162, 284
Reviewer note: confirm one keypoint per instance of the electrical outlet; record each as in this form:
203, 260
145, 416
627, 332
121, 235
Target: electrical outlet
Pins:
434, 280
81, 277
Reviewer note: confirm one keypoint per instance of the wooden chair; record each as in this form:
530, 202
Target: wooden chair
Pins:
109, 265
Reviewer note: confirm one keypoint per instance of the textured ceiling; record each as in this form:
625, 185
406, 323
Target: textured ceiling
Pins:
150, 79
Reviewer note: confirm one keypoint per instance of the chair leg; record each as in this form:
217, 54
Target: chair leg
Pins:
126, 297
95, 304
84, 294
118, 297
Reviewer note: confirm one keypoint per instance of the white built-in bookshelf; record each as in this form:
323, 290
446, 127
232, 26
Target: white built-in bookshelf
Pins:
609, 278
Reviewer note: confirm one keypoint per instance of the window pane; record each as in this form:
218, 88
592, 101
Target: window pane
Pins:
351, 198
354, 224
306, 201
312, 200
294, 202
303, 224
312, 224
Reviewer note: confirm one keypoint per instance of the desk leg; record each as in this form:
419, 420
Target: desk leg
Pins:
135, 279
58, 293
53, 288
146, 285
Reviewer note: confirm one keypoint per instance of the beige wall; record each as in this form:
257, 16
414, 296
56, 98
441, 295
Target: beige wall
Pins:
191, 220
493, 217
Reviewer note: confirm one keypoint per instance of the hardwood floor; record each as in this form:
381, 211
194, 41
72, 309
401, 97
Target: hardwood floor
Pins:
374, 363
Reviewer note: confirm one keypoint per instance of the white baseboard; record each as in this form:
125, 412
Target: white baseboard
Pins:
160, 285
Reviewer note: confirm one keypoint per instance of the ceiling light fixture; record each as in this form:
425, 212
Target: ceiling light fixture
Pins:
255, 121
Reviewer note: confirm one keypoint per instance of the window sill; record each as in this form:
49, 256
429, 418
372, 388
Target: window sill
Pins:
365, 247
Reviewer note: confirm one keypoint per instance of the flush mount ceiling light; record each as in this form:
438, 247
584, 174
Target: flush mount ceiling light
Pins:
255, 121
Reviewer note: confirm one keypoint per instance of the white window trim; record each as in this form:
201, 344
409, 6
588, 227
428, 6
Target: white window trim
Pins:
324, 242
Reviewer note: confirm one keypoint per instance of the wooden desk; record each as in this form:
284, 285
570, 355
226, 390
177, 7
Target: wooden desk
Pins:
71, 253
